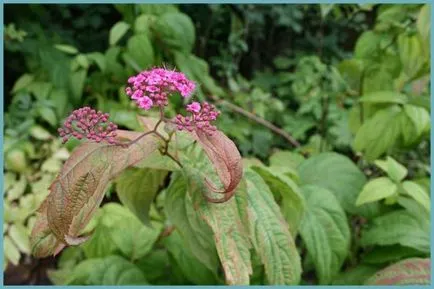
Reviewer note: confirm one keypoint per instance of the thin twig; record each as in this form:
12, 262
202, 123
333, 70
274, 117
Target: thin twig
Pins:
259, 120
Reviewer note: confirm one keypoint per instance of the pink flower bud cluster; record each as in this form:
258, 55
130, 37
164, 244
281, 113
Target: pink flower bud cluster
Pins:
88, 123
152, 87
200, 119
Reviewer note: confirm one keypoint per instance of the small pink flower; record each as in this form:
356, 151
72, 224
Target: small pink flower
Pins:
145, 103
193, 107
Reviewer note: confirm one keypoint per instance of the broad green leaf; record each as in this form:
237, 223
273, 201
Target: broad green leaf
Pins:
22, 82
132, 238
192, 268
387, 254
40, 89
398, 227
112, 270
355, 276
100, 244
59, 97
143, 23
324, 229
286, 159
270, 235
17, 189
384, 97
339, 175
367, 44
419, 117
10, 251
413, 271
287, 194
39, 133
140, 49
195, 232
77, 81
379, 133
137, 188
325, 9
48, 114
410, 52
155, 265
351, 71
79, 189
417, 193
377, 189
424, 22
176, 31
395, 170
377, 78
99, 59
18, 234
66, 48
117, 32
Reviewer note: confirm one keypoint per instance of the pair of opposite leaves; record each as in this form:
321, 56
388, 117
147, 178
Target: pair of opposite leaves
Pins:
78, 190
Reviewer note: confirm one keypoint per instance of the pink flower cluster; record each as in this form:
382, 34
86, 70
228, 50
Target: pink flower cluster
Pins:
200, 119
152, 87
88, 123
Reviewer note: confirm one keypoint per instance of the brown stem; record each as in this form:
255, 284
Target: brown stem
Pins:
259, 120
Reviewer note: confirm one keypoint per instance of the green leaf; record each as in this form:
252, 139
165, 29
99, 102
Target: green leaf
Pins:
367, 44
379, 133
17, 189
112, 270
155, 265
22, 82
192, 268
352, 71
413, 271
270, 235
140, 49
411, 54
40, 89
48, 114
83, 61
39, 133
287, 192
324, 229
286, 159
59, 98
117, 32
339, 175
384, 97
398, 227
377, 189
137, 188
392, 168
100, 244
355, 276
77, 81
387, 254
18, 234
424, 22
419, 117
66, 48
377, 78
417, 193
195, 232
99, 59
131, 237
175, 31
10, 251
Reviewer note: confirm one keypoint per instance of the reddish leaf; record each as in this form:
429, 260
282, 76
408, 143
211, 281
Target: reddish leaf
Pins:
79, 189
413, 271
226, 159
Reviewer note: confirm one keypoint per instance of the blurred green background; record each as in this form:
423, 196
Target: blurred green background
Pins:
310, 79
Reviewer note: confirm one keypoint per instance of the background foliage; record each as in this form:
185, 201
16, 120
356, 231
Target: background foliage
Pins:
328, 104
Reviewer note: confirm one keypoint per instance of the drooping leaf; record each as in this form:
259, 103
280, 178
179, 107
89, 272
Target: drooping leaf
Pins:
413, 271
137, 188
22, 82
392, 253
192, 268
377, 189
139, 47
66, 48
417, 193
77, 82
339, 175
324, 229
79, 189
10, 251
419, 117
194, 231
18, 234
286, 159
225, 158
270, 234
285, 189
355, 276
379, 133
411, 54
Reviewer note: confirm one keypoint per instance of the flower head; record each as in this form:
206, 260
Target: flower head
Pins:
156, 85
200, 119
88, 123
